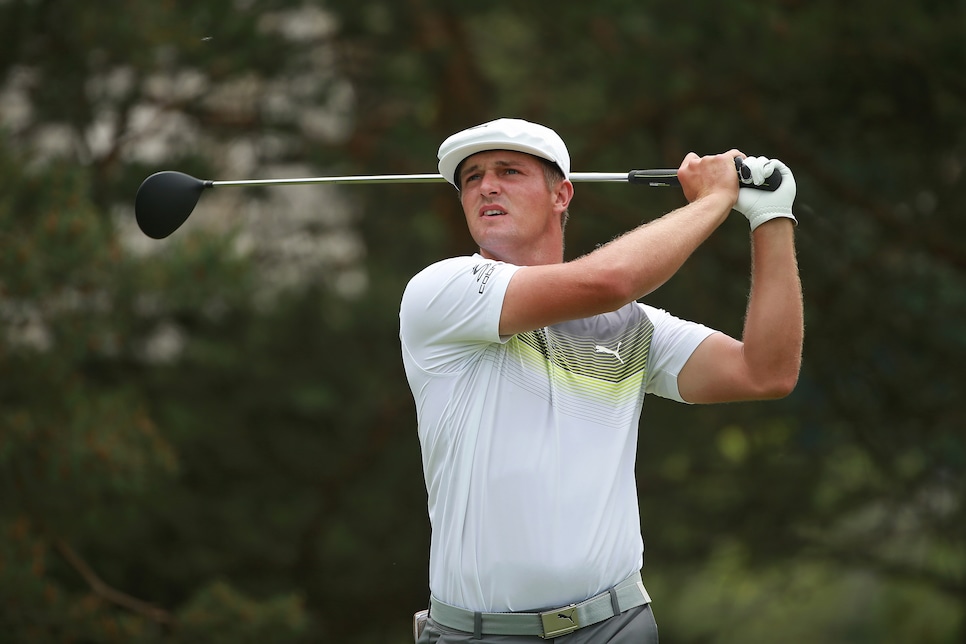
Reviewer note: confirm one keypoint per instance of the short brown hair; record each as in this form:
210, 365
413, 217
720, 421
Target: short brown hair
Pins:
554, 175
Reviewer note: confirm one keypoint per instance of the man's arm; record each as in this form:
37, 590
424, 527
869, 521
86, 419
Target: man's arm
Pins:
766, 363
632, 265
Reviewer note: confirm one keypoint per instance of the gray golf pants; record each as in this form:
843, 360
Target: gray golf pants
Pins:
634, 626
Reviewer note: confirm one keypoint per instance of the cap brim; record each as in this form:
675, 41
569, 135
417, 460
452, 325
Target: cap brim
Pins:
449, 164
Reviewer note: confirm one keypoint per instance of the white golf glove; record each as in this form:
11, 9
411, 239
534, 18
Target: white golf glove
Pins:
760, 206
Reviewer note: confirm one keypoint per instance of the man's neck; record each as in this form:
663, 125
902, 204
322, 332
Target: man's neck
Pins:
525, 258
531, 256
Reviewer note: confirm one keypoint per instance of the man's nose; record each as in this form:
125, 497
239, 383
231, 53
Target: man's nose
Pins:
489, 184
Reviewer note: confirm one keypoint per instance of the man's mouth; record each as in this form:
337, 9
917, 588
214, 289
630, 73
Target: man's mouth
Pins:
492, 212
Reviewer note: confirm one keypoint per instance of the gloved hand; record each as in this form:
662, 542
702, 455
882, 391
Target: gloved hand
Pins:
760, 206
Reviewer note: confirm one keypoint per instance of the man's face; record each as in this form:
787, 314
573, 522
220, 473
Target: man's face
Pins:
508, 205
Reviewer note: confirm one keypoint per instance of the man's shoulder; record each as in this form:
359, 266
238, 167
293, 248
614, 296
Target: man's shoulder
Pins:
448, 265
427, 283
455, 298
474, 267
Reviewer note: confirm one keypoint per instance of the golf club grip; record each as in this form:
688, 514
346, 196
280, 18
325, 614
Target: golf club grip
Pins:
669, 177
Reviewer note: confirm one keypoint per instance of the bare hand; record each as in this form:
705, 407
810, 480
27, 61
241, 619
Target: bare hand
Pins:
710, 175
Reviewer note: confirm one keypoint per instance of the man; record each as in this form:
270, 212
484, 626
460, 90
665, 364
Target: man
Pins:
529, 374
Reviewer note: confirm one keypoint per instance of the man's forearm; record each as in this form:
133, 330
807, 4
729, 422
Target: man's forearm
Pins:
774, 323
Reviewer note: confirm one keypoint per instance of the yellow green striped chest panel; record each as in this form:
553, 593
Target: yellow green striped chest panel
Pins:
594, 368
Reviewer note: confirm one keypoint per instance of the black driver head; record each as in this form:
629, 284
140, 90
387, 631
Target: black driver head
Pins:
165, 200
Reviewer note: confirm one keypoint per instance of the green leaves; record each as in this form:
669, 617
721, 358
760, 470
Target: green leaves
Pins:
219, 613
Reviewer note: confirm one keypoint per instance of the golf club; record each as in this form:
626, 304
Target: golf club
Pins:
166, 199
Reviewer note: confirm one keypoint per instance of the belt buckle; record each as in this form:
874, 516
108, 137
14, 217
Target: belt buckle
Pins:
560, 621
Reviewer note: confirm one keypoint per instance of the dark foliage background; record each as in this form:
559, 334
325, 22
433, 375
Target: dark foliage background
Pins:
210, 437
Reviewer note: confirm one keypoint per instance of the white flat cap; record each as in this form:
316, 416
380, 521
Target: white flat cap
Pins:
502, 134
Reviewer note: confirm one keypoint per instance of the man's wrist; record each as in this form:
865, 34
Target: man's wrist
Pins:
775, 222
718, 200
762, 218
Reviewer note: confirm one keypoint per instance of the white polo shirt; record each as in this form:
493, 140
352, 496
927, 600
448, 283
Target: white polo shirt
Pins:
529, 442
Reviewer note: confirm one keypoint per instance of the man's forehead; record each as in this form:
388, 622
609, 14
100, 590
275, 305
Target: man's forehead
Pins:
497, 157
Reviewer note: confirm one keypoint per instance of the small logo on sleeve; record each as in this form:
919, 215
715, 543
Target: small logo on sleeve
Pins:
483, 272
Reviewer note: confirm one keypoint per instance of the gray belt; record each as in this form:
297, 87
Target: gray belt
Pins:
548, 624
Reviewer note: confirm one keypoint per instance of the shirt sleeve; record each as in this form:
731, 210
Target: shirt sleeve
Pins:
452, 308
673, 342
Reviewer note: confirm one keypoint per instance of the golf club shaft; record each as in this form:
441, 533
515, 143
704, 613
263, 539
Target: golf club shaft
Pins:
654, 177
165, 199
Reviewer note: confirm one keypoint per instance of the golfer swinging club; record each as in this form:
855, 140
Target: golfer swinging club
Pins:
529, 374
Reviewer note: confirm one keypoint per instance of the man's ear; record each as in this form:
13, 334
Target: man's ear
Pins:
563, 192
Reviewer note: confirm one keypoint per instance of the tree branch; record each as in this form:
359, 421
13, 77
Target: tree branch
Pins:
106, 592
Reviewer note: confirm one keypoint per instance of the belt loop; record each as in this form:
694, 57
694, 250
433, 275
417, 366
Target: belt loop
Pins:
613, 601
477, 625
